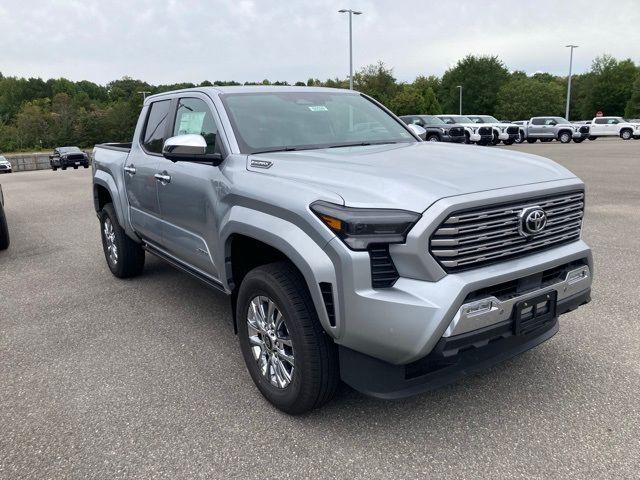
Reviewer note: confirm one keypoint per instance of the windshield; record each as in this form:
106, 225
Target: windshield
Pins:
457, 119
431, 120
69, 149
276, 121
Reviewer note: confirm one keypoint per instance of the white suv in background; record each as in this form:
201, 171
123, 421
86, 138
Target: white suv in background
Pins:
614, 127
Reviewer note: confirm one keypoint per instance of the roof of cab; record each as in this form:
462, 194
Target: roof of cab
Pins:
250, 89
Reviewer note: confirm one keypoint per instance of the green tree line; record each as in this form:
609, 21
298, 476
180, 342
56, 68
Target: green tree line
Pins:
39, 114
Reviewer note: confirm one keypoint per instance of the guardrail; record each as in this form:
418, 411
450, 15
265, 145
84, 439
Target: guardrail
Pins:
23, 162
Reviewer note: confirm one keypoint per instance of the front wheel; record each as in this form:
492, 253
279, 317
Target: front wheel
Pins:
508, 142
564, 137
290, 358
125, 257
433, 138
520, 138
578, 140
531, 140
592, 138
54, 168
626, 134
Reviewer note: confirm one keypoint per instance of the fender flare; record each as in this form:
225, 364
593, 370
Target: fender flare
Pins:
105, 180
308, 257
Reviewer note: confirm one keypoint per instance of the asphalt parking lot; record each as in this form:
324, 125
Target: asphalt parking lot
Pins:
104, 378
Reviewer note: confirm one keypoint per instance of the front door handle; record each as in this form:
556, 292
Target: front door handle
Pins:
163, 177
130, 169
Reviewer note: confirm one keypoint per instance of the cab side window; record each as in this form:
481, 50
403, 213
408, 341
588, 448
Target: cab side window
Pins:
537, 121
600, 121
193, 116
156, 126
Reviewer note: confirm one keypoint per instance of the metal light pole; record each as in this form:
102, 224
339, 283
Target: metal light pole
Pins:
144, 95
351, 13
460, 87
569, 81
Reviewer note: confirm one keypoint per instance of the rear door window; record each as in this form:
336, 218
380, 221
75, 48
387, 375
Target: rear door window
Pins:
153, 136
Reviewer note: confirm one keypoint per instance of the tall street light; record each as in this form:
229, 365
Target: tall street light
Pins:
144, 95
460, 87
351, 13
569, 81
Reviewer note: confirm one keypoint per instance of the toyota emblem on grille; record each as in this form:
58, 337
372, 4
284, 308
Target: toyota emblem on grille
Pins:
532, 221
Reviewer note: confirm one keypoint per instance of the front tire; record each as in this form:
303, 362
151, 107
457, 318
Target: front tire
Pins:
593, 138
124, 257
626, 134
4, 231
578, 140
520, 138
508, 142
564, 137
531, 140
290, 358
433, 138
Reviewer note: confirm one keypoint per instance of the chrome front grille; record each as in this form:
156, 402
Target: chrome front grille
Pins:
474, 238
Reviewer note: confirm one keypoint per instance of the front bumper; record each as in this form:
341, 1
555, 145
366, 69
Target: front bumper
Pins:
454, 139
452, 359
580, 135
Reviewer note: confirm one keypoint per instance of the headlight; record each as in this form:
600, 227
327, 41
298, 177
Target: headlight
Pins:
360, 227
473, 130
503, 129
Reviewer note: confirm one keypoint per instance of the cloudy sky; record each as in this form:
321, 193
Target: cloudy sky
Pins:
167, 41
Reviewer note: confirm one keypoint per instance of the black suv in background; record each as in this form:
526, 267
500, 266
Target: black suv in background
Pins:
64, 157
437, 130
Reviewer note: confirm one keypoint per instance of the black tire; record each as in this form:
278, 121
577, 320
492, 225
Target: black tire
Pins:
54, 168
578, 140
467, 139
593, 138
508, 142
4, 231
520, 138
564, 137
626, 134
496, 139
130, 255
86, 166
531, 140
63, 168
315, 375
433, 138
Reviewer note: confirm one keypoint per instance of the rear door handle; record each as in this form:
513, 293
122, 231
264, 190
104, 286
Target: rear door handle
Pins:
130, 169
163, 178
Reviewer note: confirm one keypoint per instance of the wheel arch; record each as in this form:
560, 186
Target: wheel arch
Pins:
252, 238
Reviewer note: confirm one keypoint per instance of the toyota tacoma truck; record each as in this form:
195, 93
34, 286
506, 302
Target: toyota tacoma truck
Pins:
504, 132
350, 249
480, 134
436, 129
614, 127
547, 129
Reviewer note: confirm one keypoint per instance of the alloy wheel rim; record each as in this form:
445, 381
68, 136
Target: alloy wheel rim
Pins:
270, 342
110, 239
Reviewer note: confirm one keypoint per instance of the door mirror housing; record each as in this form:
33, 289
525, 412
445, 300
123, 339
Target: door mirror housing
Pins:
418, 130
189, 148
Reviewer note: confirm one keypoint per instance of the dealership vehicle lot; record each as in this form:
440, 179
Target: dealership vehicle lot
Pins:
89, 389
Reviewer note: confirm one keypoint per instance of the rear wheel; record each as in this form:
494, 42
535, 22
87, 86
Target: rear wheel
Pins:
626, 134
4, 231
290, 358
125, 257
531, 140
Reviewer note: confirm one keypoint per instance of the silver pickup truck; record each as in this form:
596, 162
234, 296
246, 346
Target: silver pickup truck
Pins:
350, 249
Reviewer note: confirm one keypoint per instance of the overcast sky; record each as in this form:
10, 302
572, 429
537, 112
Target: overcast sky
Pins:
167, 41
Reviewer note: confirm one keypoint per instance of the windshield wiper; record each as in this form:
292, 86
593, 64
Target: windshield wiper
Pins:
361, 144
279, 149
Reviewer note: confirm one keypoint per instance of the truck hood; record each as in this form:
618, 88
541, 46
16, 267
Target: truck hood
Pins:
409, 176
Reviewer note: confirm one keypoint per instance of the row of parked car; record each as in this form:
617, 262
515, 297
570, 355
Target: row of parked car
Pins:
487, 130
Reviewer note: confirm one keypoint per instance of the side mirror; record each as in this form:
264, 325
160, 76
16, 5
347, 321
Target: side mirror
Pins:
418, 130
189, 148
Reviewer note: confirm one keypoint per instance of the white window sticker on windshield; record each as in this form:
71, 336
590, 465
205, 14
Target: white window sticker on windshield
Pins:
404, 135
319, 108
191, 122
